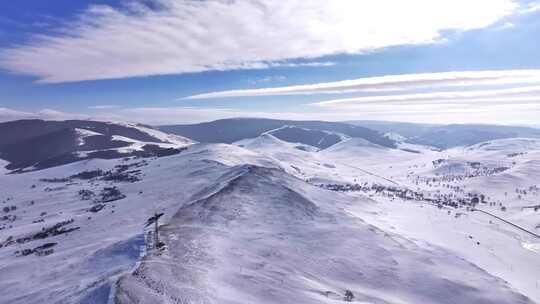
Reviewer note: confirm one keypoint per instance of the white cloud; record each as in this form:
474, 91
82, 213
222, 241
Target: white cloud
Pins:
532, 7
391, 83
268, 79
303, 64
519, 105
505, 26
518, 114
153, 115
50, 114
7, 114
103, 107
184, 36
531, 93
187, 115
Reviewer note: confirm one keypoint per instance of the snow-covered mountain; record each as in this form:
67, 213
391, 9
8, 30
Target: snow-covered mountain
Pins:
270, 141
449, 136
38, 144
271, 221
395, 137
320, 134
511, 145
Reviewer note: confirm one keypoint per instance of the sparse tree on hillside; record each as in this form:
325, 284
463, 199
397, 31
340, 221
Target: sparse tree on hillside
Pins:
349, 296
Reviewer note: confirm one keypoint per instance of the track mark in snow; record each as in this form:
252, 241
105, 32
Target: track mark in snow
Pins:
534, 247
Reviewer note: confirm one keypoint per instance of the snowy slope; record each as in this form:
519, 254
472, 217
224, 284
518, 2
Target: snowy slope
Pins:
268, 141
508, 145
107, 243
321, 139
264, 237
478, 173
158, 135
251, 225
380, 160
3, 165
395, 137
307, 163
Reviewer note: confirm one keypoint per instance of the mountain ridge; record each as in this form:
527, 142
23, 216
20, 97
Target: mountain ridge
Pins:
235, 129
39, 144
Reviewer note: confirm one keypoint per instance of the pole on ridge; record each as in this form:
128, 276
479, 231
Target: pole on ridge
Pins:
154, 220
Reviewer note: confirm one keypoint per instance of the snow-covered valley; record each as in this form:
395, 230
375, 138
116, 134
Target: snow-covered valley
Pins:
269, 221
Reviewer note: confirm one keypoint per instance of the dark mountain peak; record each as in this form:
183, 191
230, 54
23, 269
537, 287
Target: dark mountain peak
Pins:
38, 144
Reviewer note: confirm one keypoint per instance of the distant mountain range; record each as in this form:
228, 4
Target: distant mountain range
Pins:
298, 212
320, 134
449, 136
38, 144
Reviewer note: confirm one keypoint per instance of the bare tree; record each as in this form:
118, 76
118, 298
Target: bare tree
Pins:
349, 296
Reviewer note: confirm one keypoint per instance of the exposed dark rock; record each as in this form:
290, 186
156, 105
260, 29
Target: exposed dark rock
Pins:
55, 180
57, 229
121, 177
43, 250
110, 194
88, 174
86, 194
96, 208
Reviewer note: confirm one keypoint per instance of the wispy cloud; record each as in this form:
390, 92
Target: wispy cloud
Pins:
185, 36
391, 83
303, 64
531, 93
268, 79
505, 26
7, 114
103, 107
516, 105
532, 7
427, 113
10, 114
156, 115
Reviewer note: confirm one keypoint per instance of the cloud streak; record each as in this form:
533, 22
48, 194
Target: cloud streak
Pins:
103, 107
448, 113
530, 93
390, 83
7, 114
188, 36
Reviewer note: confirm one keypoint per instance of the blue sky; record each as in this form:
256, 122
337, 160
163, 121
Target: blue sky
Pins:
142, 60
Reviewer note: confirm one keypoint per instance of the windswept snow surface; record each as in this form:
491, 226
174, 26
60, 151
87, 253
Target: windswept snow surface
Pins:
360, 151
508, 145
3, 165
395, 137
251, 224
262, 236
159, 135
87, 260
85, 133
137, 145
316, 168
497, 173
